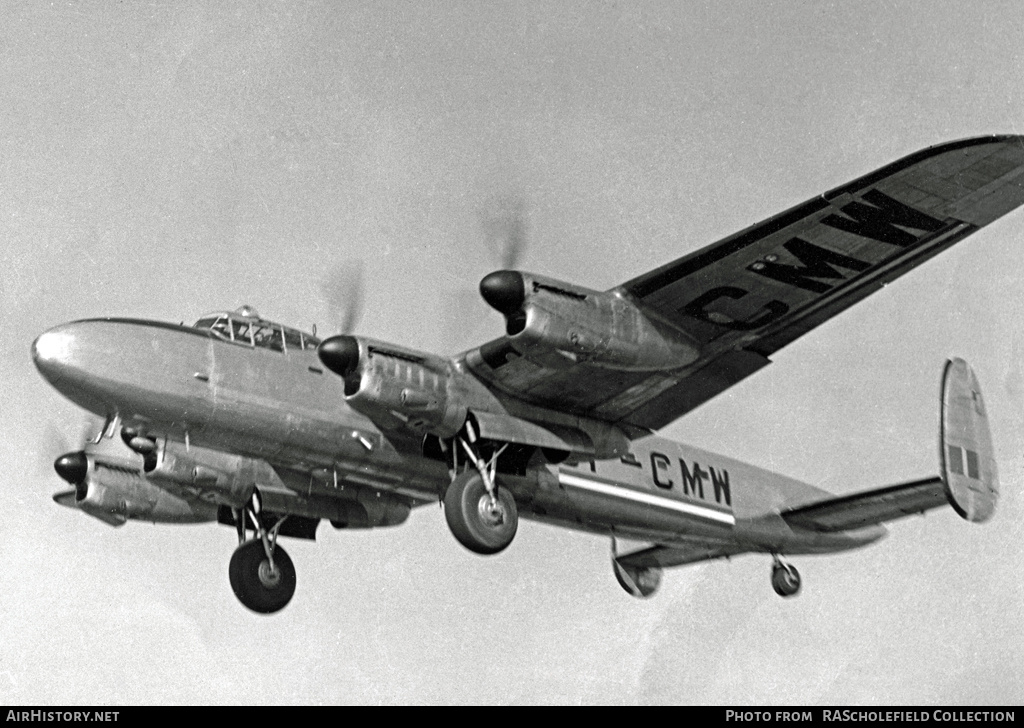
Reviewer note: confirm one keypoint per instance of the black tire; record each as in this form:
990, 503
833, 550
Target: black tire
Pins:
785, 580
477, 526
261, 592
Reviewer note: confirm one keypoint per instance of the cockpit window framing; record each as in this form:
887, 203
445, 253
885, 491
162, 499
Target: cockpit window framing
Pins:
242, 331
267, 336
257, 333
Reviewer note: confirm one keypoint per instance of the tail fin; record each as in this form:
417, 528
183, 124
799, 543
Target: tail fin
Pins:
965, 445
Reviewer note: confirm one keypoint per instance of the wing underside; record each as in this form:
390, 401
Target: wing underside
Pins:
743, 298
869, 507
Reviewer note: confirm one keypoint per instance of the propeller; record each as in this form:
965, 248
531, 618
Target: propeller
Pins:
55, 442
505, 230
70, 464
505, 233
342, 293
340, 354
343, 296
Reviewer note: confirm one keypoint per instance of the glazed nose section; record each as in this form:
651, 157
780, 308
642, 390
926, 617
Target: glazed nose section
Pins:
51, 352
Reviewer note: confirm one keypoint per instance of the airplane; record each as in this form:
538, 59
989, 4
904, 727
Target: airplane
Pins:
270, 429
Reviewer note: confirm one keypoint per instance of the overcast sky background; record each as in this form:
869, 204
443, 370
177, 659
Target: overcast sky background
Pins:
163, 160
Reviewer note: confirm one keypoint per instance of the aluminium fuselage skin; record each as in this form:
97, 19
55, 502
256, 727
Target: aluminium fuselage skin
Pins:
282, 407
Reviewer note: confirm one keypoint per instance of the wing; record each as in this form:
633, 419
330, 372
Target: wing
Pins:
870, 507
745, 297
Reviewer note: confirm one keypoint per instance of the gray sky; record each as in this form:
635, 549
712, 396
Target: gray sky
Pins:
163, 160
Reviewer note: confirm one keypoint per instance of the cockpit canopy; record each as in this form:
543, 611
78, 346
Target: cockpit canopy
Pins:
244, 327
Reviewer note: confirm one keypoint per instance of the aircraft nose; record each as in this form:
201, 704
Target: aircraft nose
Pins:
51, 351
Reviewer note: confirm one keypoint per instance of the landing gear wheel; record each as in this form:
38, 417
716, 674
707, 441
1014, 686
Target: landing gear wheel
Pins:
785, 579
258, 585
481, 524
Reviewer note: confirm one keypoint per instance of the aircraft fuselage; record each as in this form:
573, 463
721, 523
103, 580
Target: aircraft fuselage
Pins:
281, 407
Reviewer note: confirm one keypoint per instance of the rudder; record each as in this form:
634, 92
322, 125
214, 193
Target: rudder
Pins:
965, 445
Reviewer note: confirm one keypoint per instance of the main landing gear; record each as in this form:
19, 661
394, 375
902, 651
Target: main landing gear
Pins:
481, 516
785, 578
261, 573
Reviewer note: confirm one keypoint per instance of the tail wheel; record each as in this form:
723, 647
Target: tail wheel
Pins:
480, 522
260, 585
785, 579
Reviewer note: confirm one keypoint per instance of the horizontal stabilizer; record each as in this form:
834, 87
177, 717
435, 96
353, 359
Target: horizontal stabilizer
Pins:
968, 461
968, 479
677, 555
869, 507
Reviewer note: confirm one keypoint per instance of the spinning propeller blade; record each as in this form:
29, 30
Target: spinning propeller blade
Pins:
342, 292
506, 230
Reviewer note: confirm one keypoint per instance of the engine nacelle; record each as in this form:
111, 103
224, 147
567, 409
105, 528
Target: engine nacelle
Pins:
395, 386
557, 324
358, 508
220, 476
115, 493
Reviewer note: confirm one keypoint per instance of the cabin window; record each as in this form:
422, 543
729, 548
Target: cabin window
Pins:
216, 324
292, 340
256, 332
267, 336
222, 328
243, 333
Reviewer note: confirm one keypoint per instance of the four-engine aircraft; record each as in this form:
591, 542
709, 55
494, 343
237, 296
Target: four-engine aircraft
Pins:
270, 430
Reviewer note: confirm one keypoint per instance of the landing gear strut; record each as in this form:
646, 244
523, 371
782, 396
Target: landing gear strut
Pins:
261, 573
481, 516
785, 578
